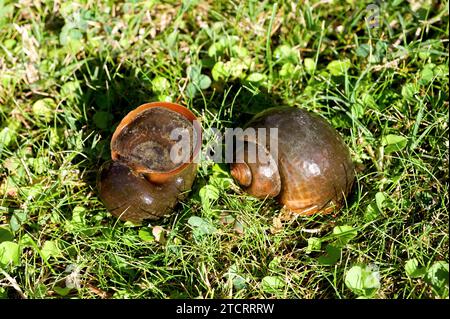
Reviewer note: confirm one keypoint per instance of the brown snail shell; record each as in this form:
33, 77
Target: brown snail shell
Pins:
313, 171
142, 181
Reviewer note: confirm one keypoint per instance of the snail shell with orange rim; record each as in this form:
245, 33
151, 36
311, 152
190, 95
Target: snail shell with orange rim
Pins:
143, 181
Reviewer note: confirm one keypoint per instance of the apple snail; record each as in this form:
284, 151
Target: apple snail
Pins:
311, 170
148, 174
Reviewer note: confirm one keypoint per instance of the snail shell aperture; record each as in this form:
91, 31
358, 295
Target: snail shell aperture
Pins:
313, 171
143, 181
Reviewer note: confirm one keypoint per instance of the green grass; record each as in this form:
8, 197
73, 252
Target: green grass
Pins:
70, 71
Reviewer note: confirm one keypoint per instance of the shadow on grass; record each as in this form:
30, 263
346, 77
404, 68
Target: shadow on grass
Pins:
109, 93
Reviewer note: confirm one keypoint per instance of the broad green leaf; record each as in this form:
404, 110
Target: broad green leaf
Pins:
9, 254
7, 136
438, 277
40, 291
239, 51
357, 110
71, 39
379, 200
191, 90
227, 219
218, 170
380, 48
219, 72
9, 43
344, 234
256, 77
193, 72
31, 192
78, 214
205, 229
271, 284
40, 165
363, 280
18, 218
62, 291
50, 249
288, 70
26, 241
426, 75
160, 84
409, 90
195, 221
216, 49
5, 234
146, 235
69, 34
286, 53
363, 50
201, 226
413, 270
239, 282
78, 222
236, 68
3, 293
221, 182
236, 278
393, 139
310, 65
441, 71
333, 253
275, 263
393, 143
314, 244
208, 194
339, 67
70, 89
44, 108
56, 136
238, 227
223, 42
204, 82
374, 58
429, 48
371, 213
171, 40
130, 224
368, 101
229, 40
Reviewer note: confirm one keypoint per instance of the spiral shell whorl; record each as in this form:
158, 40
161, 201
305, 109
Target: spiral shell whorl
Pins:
259, 176
242, 174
